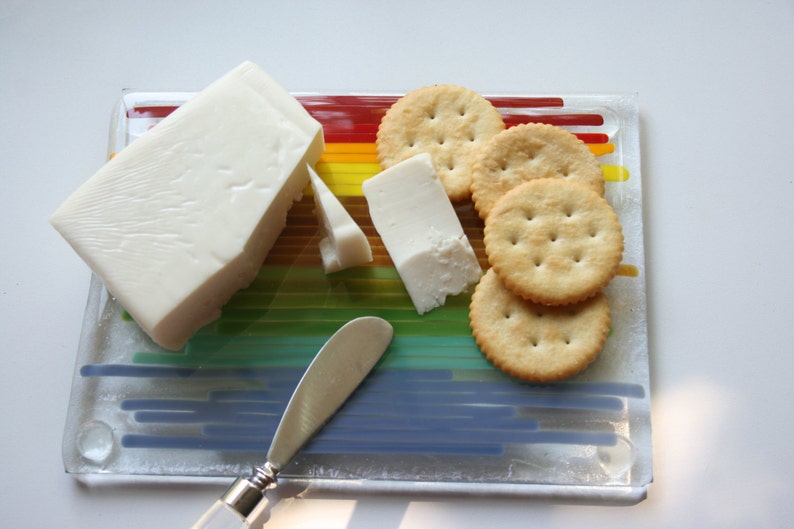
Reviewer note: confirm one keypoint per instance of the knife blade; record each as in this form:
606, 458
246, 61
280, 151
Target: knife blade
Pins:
338, 369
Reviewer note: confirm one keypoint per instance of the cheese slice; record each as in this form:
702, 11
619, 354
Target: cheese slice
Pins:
343, 243
184, 216
421, 231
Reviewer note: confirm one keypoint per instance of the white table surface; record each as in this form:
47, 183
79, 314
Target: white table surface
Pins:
715, 81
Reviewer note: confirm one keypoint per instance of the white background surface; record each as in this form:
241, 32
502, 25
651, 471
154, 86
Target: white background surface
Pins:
715, 81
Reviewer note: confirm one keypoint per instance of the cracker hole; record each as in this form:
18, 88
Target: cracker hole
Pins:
569, 212
567, 341
462, 111
538, 262
553, 237
577, 258
534, 341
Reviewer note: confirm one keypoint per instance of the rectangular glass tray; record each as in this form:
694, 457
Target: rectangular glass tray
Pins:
434, 415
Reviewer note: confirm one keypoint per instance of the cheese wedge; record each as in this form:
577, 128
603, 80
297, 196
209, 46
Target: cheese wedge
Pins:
184, 216
343, 243
421, 231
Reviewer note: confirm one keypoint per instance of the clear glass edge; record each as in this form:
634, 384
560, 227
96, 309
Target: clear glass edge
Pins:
628, 102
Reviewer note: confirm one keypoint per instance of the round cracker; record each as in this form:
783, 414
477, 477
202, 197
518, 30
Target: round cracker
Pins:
536, 342
553, 241
448, 122
529, 151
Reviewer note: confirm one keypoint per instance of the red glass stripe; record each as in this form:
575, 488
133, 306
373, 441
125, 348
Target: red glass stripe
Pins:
150, 112
347, 100
526, 102
590, 120
592, 137
369, 128
349, 118
341, 137
362, 116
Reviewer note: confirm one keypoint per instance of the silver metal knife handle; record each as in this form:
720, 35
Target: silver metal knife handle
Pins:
239, 501
336, 371
220, 516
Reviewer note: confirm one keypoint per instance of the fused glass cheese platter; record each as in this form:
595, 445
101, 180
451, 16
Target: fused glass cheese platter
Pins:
434, 415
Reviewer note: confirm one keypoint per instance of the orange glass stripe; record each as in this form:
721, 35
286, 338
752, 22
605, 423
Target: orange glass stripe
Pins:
628, 270
348, 157
599, 149
357, 148
366, 152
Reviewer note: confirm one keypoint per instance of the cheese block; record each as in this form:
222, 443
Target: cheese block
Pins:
421, 232
343, 243
184, 216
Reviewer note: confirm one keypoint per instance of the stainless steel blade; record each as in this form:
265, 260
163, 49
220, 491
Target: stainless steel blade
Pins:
337, 370
334, 374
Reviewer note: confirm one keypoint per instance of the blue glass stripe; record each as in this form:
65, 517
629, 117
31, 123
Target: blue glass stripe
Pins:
249, 406
323, 444
405, 427
146, 371
382, 380
320, 446
395, 411
454, 395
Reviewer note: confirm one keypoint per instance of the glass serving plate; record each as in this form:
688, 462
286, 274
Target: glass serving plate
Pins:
434, 415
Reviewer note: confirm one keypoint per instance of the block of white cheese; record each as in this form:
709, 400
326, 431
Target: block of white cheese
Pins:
421, 231
343, 244
184, 216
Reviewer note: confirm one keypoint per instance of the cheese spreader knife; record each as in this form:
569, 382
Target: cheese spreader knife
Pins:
337, 370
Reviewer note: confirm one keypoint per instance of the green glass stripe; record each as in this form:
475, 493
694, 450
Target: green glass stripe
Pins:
314, 300
271, 328
435, 342
340, 298
288, 312
213, 342
275, 328
342, 314
313, 285
401, 362
405, 352
316, 272
287, 358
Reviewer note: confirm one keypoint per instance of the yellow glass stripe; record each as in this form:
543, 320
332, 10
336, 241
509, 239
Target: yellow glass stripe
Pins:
599, 149
628, 270
349, 175
344, 178
615, 173
336, 170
